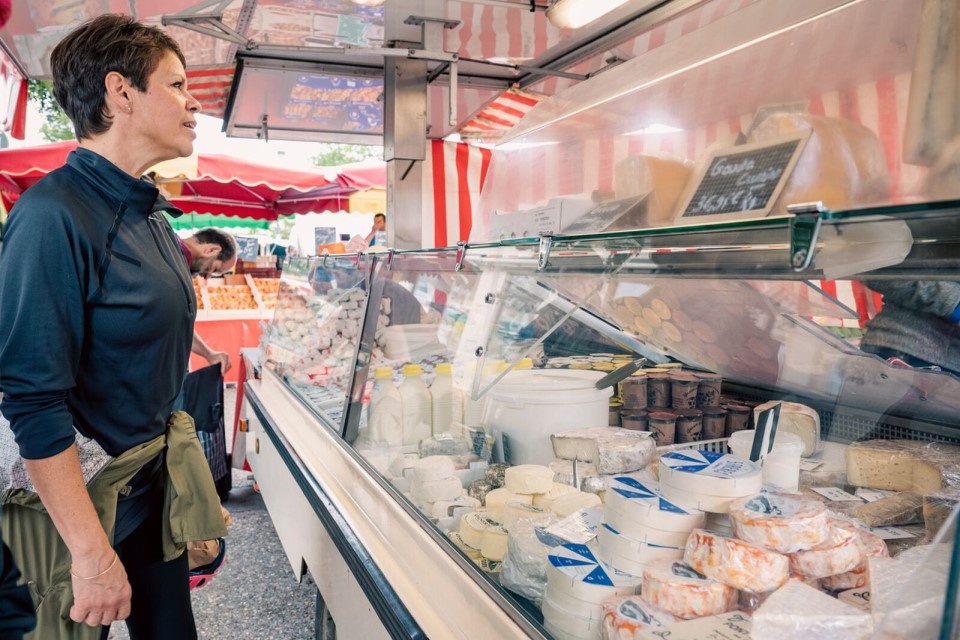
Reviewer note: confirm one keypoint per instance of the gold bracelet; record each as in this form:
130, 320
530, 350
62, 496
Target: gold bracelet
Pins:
112, 564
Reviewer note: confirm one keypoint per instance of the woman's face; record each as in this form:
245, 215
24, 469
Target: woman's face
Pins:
165, 113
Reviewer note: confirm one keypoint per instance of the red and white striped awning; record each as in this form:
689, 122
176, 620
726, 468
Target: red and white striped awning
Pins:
501, 115
13, 99
211, 86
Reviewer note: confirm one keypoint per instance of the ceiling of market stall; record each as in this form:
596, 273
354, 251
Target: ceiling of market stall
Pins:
314, 69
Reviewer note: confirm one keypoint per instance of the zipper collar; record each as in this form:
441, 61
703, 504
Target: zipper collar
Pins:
116, 186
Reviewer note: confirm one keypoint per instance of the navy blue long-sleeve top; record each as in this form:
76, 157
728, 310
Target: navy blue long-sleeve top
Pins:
96, 311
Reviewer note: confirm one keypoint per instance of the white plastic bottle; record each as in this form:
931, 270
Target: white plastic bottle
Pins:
385, 415
415, 398
441, 396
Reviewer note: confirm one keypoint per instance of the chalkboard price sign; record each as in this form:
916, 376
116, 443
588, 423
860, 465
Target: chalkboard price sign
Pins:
743, 181
324, 235
247, 248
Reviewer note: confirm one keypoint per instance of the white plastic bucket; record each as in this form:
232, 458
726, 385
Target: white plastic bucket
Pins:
527, 406
781, 467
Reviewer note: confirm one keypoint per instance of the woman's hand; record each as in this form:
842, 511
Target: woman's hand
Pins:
101, 592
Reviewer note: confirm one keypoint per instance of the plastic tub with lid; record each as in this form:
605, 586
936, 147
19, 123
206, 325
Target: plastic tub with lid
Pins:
527, 406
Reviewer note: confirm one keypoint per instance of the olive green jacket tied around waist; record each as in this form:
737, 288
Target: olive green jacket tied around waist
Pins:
190, 503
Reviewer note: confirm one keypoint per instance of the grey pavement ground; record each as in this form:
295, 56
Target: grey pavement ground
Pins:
255, 595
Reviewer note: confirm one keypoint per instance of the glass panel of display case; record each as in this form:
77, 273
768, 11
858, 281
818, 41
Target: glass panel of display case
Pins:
774, 104
313, 340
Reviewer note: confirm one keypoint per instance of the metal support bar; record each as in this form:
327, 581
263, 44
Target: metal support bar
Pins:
215, 29
529, 69
452, 102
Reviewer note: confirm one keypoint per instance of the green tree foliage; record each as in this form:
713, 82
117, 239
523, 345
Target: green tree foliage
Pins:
334, 155
57, 126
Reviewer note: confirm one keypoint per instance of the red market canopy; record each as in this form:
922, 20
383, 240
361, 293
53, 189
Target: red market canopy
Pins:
206, 183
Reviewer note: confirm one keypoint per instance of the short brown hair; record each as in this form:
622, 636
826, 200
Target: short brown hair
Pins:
212, 235
82, 60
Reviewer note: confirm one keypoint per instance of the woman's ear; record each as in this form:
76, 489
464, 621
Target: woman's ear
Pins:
117, 92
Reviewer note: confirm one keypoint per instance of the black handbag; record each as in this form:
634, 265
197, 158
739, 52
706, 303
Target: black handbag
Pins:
202, 397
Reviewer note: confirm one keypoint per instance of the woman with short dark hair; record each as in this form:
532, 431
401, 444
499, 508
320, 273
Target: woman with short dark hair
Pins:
96, 322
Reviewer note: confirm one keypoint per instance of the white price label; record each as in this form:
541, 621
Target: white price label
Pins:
809, 465
836, 494
579, 527
890, 533
872, 495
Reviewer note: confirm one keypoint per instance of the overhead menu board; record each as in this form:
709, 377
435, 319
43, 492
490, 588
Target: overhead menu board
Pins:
743, 181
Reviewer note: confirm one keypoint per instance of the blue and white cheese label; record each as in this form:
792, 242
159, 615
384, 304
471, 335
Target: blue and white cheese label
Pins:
709, 463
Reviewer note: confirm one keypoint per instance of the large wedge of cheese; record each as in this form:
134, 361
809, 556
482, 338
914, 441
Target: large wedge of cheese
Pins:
796, 418
610, 449
661, 177
903, 465
842, 163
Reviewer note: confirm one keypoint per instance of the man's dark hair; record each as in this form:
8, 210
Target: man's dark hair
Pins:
211, 235
81, 61
380, 215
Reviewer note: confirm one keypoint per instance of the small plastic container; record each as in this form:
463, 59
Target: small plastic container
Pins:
738, 418
658, 390
689, 425
714, 422
708, 391
634, 392
634, 419
781, 467
683, 390
663, 426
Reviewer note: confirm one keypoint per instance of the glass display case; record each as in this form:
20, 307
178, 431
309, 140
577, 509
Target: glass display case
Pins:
488, 419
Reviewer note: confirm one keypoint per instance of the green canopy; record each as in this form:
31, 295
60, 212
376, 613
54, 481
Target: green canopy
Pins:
203, 220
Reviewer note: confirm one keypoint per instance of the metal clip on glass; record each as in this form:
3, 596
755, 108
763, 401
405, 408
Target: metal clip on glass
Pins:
804, 229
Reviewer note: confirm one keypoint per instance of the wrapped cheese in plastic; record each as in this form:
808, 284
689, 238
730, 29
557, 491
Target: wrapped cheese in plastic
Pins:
839, 553
683, 592
873, 546
907, 593
895, 510
625, 616
779, 522
735, 563
842, 163
525, 565
797, 611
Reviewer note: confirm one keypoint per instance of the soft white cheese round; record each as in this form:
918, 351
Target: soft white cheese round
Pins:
632, 507
710, 473
528, 479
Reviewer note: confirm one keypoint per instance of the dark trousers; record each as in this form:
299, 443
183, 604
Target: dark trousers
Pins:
161, 591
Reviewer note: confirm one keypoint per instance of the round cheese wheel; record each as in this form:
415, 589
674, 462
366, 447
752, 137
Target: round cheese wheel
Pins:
872, 546
472, 526
528, 479
698, 501
633, 506
780, 522
575, 626
557, 489
514, 512
736, 563
573, 570
497, 500
629, 555
493, 543
624, 617
571, 502
839, 553
433, 468
677, 589
710, 473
